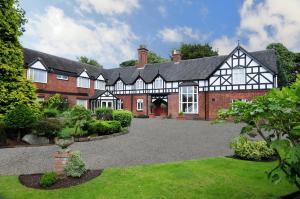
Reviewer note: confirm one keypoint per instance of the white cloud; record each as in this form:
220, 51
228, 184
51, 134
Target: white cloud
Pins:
56, 33
266, 22
180, 34
162, 10
224, 45
109, 7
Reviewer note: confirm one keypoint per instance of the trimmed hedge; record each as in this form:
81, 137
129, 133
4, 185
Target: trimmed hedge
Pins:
104, 113
123, 116
251, 150
104, 127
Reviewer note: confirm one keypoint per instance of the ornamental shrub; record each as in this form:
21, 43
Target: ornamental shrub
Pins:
250, 149
48, 179
48, 127
104, 113
65, 133
20, 118
50, 112
75, 166
56, 102
123, 116
104, 127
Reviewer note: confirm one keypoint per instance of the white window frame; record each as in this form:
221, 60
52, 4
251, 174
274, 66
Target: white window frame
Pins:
82, 102
139, 104
99, 84
31, 72
119, 85
80, 83
120, 104
62, 77
139, 84
158, 83
238, 76
189, 90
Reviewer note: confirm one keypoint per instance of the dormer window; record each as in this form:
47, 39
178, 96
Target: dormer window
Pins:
37, 73
158, 83
99, 85
238, 76
119, 85
139, 84
83, 80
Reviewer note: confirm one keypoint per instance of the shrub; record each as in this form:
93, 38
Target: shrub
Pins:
104, 113
48, 127
104, 127
50, 112
65, 133
181, 114
2, 133
75, 166
20, 118
56, 102
141, 116
72, 131
78, 117
48, 179
251, 150
124, 117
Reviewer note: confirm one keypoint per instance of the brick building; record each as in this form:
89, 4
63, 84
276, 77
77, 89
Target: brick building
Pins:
196, 87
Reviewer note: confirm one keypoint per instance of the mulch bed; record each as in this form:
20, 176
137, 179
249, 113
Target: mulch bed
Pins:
295, 195
272, 159
33, 180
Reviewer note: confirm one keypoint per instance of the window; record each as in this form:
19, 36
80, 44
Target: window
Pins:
139, 104
139, 84
188, 99
119, 85
238, 76
120, 104
81, 102
99, 85
83, 82
37, 75
242, 100
62, 77
40, 99
158, 82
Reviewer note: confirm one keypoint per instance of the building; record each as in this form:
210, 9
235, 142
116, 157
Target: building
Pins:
196, 87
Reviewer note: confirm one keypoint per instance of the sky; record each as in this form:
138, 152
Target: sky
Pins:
110, 31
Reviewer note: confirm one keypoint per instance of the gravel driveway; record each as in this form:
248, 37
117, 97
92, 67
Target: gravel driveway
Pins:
149, 141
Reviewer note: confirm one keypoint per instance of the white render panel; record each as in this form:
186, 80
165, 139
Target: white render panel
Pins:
100, 78
38, 65
84, 74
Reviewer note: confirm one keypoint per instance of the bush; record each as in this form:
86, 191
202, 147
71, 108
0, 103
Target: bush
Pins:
2, 133
104, 113
124, 117
251, 150
104, 127
75, 166
50, 112
56, 102
141, 116
65, 133
48, 179
48, 127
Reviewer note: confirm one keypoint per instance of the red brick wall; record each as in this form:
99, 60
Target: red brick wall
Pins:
201, 105
173, 104
126, 101
145, 108
221, 99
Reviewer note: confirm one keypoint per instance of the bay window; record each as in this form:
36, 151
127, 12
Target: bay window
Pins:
83, 82
37, 75
188, 99
238, 76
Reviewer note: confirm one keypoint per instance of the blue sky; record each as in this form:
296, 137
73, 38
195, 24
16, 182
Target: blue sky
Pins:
111, 30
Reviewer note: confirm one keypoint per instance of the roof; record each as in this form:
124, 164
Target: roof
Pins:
184, 70
60, 65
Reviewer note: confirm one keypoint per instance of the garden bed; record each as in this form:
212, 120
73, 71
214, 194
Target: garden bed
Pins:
93, 138
33, 180
271, 159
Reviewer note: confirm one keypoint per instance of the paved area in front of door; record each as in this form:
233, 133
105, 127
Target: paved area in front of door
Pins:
149, 141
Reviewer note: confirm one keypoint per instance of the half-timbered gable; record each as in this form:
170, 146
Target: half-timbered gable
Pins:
242, 71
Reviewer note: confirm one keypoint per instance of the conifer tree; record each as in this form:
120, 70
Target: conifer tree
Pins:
14, 87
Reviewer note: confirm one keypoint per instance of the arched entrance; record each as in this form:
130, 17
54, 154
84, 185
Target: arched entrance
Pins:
160, 105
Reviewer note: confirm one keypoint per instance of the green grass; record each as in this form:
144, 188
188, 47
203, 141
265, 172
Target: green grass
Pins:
208, 178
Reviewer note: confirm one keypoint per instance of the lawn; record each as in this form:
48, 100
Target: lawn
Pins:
207, 178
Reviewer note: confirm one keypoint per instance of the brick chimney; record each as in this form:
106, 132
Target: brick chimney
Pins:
143, 56
176, 56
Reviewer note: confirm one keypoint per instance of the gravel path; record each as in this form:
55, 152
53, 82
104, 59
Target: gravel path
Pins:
149, 141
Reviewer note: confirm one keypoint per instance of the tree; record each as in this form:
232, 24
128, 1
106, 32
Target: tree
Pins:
85, 60
14, 87
153, 58
285, 63
275, 117
192, 51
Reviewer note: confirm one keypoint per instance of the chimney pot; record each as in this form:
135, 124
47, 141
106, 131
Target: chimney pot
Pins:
176, 55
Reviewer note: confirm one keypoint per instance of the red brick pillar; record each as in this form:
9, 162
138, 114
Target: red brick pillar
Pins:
60, 160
